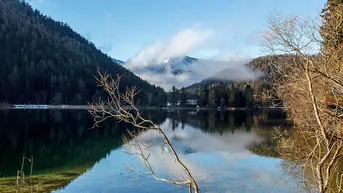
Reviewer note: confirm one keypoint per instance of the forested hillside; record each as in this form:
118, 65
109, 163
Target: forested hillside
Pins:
216, 92
43, 61
263, 64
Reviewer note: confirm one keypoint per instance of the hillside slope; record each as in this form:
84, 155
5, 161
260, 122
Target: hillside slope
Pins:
264, 65
45, 61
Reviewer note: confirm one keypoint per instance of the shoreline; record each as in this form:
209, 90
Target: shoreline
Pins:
85, 107
36, 106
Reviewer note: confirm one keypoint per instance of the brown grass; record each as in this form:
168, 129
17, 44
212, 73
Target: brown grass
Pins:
39, 183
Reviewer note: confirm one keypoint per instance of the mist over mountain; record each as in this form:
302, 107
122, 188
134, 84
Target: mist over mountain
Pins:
182, 71
176, 66
255, 69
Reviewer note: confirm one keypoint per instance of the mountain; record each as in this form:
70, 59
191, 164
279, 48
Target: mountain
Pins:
184, 70
253, 70
176, 66
179, 65
44, 61
207, 82
263, 68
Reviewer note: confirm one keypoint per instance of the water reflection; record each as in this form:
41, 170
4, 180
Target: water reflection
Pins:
227, 146
58, 140
228, 151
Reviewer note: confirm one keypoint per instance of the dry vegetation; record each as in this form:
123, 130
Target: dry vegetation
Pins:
305, 82
38, 183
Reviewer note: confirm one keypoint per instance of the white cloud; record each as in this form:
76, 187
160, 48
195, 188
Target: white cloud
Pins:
235, 69
226, 146
184, 42
155, 56
178, 45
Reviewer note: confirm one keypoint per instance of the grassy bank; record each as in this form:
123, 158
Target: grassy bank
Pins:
38, 183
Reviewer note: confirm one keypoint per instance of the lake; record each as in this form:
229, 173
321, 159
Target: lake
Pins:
227, 151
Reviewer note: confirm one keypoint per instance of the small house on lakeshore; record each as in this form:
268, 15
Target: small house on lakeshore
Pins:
192, 100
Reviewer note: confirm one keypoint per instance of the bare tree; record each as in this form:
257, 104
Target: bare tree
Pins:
121, 106
310, 83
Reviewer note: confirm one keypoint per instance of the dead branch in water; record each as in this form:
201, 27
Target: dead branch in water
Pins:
121, 106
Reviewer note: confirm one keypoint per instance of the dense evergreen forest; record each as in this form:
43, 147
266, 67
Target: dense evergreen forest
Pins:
43, 61
239, 94
213, 92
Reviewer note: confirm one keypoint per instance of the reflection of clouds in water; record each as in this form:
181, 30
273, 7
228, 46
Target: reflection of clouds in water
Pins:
221, 162
225, 149
261, 176
203, 142
222, 159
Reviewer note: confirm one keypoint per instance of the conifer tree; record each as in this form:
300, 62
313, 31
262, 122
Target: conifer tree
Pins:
332, 27
212, 97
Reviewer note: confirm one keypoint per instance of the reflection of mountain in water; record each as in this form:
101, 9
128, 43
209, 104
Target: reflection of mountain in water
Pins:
59, 140
224, 137
260, 123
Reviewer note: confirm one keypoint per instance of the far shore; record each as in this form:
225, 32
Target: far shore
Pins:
85, 107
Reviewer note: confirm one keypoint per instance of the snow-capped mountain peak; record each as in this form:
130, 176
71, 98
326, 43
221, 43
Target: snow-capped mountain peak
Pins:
175, 65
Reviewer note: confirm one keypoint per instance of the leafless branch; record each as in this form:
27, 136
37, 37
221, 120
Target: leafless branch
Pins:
121, 106
311, 89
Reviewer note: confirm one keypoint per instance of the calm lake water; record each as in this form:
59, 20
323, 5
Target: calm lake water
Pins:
228, 151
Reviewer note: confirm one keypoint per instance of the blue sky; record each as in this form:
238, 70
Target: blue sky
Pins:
122, 28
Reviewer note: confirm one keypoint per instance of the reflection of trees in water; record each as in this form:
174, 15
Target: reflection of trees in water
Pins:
266, 148
263, 125
223, 121
211, 121
58, 139
61, 139
295, 147
260, 123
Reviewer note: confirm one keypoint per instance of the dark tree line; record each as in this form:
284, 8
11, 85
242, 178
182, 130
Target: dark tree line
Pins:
215, 95
45, 61
235, 95
220, 95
